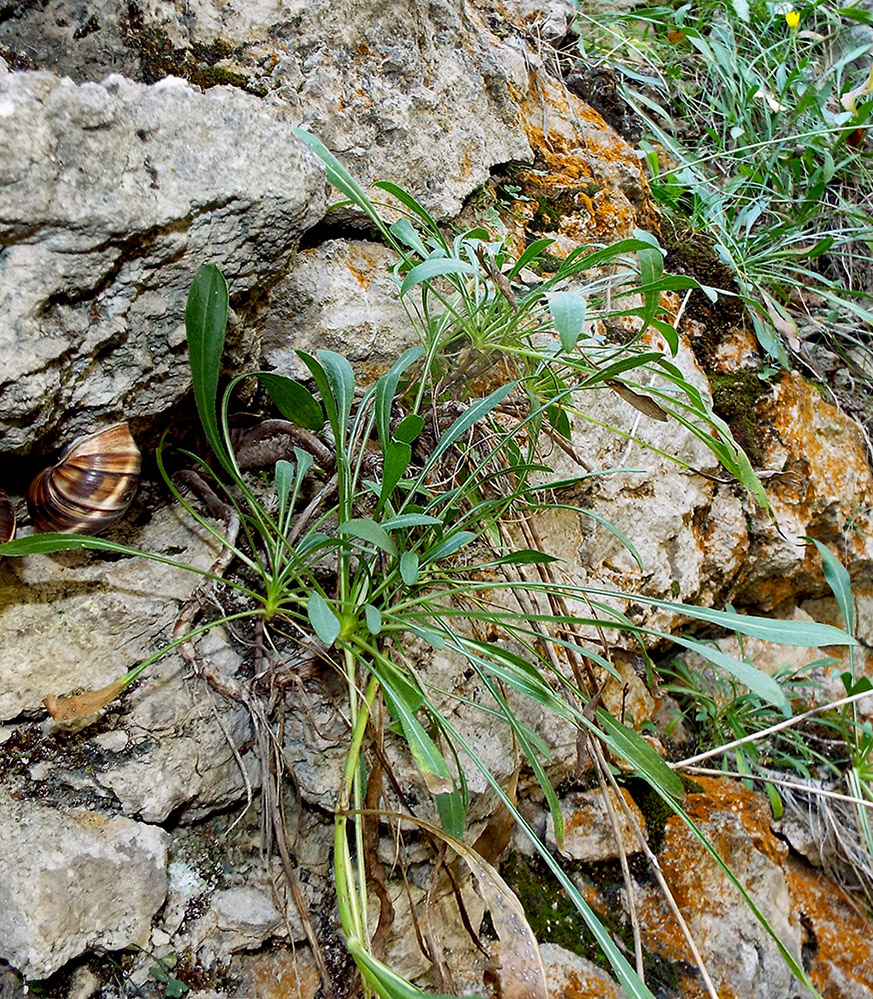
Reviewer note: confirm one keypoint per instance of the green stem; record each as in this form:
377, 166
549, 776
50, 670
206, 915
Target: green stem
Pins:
352, 904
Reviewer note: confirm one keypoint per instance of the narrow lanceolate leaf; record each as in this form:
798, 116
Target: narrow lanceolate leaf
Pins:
342, 382
758, 682
205, 325
839, 582
449, 546
781, 632
409, 428
639, 754
294, 401
567, 309
324, 622
524, 556
368, 530
410, 520
397, 456
651, 267
435, 267
428, 758
386, 389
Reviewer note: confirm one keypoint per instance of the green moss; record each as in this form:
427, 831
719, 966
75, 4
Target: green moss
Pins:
554, 919
655, 811
735, 399
159, 58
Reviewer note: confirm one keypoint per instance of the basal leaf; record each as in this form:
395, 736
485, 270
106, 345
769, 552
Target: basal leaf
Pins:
368, 530
397, 456
839, 582
386, 389
324, 622
294, 401
409, 428
639, 754
410, 520
205, 326
435, 267
409, 568
374, 619
567, 309
449, 546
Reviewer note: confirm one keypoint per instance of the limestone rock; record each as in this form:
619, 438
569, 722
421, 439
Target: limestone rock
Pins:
74, 881
384, 84
339, 296
112, 196
589, 835
739, 954
76, 620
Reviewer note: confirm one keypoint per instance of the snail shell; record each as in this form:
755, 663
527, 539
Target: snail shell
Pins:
91, 486
7, 518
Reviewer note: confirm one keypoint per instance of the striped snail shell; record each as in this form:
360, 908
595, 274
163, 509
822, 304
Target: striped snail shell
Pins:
7, 518
91, 486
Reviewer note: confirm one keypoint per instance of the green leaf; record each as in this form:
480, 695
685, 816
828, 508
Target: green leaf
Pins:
368, 530
410, 520
374, 619
435, 267
449, 546
409, 568
567, 309
839, 582
428, 758
524, 556
639, 754
453, 813
402, 230
294, 401
405, 198
324, 622
409, 428
342, 383
531, 252
758, 682
397, 456
284, 479
651, 261
386, 389
770, 630
205, 326
384, 981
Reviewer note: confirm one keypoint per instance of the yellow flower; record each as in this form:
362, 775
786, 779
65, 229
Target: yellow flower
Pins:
792, 19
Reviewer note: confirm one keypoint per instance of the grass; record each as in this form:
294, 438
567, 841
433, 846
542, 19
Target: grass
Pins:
756, 121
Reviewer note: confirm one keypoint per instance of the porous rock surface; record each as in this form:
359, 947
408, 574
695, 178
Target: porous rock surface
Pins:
112, 195
73, 881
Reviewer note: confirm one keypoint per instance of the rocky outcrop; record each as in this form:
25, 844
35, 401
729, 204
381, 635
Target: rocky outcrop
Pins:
112, 195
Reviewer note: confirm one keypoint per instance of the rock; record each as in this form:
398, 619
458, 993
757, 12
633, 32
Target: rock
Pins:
111, 197
739, 954
77, 619
589, 835
71, 882
383, 84
339, 296
823, 483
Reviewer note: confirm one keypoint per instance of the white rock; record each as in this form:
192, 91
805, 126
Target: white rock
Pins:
71, 882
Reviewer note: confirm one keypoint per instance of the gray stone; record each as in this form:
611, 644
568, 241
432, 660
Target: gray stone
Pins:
71, 882
589, 835
339, 296
112, 195
386, 85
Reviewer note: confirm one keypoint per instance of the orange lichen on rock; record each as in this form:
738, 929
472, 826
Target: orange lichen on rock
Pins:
838, 937
587, 171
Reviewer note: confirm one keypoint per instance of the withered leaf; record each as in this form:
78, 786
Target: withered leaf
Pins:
647, 406
81, 705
